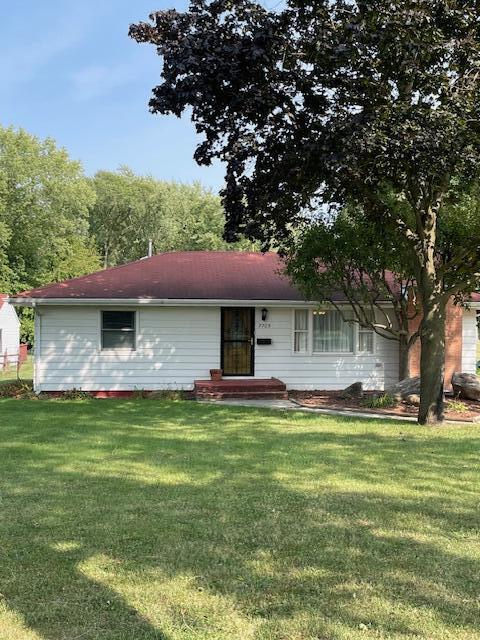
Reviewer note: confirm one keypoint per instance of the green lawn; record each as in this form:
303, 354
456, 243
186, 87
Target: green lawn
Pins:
10, 374
130, 520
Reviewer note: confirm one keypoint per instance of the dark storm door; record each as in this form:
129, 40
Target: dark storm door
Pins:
238, 330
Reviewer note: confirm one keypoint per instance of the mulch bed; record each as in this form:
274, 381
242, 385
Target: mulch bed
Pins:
333, 400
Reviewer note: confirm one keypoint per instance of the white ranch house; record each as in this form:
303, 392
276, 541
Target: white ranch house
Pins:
166, 321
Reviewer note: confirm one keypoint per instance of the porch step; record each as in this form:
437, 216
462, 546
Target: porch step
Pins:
271, 389
262, 395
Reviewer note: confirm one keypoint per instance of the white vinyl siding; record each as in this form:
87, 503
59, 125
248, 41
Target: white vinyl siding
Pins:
177, 345
469, 341
321, 371
174, 347
9, 334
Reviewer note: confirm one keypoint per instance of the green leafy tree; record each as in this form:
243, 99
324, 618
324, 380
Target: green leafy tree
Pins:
335, 102
120, 217
6, 274
130, 210
191, 218
44, 204
353, 259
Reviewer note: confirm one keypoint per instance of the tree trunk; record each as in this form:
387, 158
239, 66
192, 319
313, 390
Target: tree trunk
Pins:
432, 362
404, 364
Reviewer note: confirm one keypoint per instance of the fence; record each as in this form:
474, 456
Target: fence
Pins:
14, 360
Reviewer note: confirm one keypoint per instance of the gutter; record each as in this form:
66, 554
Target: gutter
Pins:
180, 302
153, 302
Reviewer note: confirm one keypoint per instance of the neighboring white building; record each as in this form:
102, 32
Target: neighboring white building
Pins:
164, 322
9, 333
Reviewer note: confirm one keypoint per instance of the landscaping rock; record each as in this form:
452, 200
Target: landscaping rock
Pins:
405, 388
413, 399
355, 390
466, 385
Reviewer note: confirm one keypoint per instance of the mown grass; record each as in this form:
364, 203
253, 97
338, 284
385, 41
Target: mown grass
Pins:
10, 373
128, 520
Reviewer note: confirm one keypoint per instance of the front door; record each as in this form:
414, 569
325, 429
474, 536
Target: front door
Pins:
238, 331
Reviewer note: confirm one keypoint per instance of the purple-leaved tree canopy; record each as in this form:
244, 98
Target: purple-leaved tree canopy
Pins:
334, 103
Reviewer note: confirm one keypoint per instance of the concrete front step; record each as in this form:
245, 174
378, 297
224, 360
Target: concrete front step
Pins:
247, 389
247, 385
241, 395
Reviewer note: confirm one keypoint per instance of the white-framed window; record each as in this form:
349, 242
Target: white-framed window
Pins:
366, 340
366, 336
329, 331
118, 330
301, 330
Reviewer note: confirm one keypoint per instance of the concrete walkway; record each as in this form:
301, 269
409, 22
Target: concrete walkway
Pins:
289, 405
292, 405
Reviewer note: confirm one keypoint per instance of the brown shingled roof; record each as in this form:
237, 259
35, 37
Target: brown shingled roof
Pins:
188, 275
185, 275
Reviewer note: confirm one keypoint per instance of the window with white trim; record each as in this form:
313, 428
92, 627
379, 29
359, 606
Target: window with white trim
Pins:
331, 333
118, 330
365, 340
366, 335
300, 332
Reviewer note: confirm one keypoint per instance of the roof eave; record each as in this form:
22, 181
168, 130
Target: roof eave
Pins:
154, 302
167, 302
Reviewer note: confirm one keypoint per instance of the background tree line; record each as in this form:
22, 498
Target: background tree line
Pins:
130, 210
57, 223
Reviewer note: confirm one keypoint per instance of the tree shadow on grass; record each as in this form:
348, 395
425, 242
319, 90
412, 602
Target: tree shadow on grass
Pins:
237, 507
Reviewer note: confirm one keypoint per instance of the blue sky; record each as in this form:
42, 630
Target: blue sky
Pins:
68, 70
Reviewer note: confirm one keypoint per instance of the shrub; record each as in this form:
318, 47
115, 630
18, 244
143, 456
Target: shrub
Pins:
75, 394
385, 401
456, 406
18, 389
167, 394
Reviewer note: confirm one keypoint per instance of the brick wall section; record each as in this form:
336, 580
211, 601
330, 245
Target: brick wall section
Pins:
453, 344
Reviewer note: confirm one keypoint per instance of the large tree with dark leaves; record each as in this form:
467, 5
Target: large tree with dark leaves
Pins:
375, 103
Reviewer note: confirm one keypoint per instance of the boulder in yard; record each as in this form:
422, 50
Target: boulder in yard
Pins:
413, 399
355, 390
405, 388
466, 385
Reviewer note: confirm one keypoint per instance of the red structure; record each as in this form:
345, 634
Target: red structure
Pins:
22, 353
